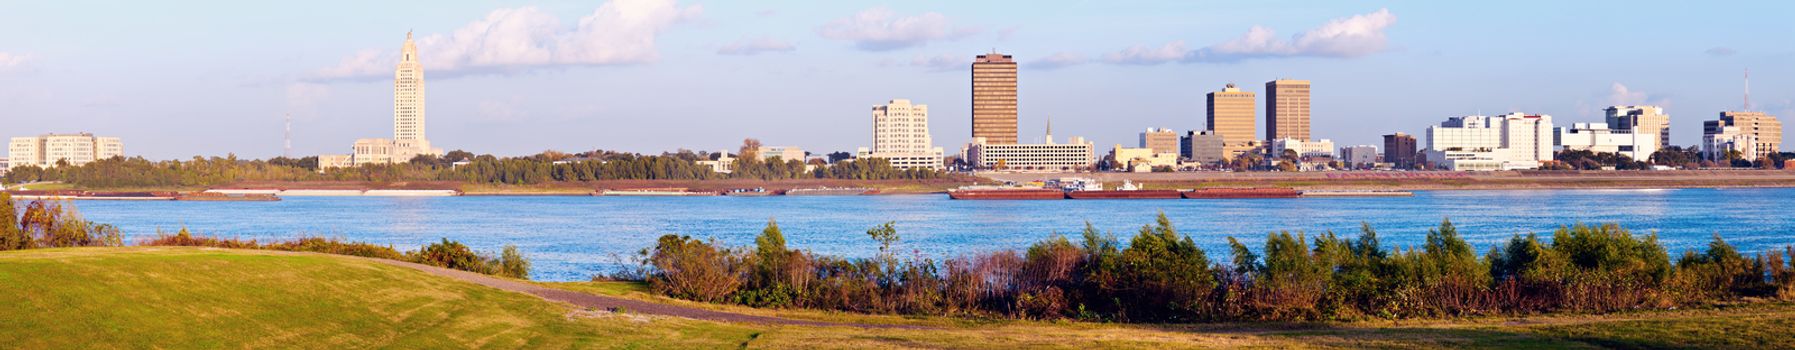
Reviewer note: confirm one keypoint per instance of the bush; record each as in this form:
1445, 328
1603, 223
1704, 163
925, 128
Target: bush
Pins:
47, 224
453, 255
513, 264
691, 269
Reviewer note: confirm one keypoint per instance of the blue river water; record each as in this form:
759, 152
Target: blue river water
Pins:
572, 238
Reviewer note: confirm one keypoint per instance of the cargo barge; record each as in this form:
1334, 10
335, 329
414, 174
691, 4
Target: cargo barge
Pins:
652, 192
1250, 192
1125, 194
826, 191
749, 192
222, 197
1357, 193
1005, 193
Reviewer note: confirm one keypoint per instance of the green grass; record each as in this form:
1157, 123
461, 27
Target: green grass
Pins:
154, 297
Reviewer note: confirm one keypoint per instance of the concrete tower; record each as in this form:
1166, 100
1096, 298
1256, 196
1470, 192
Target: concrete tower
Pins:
994, 98
408, 95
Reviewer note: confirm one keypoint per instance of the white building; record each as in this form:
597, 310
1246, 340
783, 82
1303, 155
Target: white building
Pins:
1076, 155
409, 139
1481, 143
1303, 148
901, 136
46, 150
1359, 156
784, 153
723, 164
1715, 146
1601, 139
1142, 159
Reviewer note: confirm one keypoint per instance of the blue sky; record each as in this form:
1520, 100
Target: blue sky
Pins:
514, 77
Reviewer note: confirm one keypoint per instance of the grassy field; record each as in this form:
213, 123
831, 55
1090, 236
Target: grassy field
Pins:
206, 298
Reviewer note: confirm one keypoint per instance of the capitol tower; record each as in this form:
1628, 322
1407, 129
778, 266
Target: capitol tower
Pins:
408, 120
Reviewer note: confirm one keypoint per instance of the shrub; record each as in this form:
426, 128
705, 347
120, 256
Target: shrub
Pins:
48, 224
454, 255
513, 264
11, 236
691, 269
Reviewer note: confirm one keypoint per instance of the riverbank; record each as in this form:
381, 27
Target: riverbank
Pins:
189, 297
1436, 180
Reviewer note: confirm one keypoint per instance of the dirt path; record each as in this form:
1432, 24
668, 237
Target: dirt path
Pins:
613, 303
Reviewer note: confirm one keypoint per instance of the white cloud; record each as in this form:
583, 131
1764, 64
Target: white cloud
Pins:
519, 39
879, 29
1349, 37
10, 61
755, 46
1059, 60
1170, 52
1621, 95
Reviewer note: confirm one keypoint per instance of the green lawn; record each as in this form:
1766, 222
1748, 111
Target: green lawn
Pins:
205, 298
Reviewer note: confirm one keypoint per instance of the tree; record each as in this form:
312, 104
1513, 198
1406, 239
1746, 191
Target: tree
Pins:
11, 236
835, 157
750, 149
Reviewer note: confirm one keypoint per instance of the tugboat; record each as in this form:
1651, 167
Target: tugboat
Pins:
748, 192
1127, 191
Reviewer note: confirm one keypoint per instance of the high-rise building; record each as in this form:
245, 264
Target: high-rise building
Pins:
1648, 120
1286, 109
994, 98
901, 136
1504, 142
1204, 147
1399, 149
1765, 129
1721, 144
408, 120
1231, 114
47, 150
1160, 140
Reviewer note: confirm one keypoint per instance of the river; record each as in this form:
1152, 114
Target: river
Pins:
571, 238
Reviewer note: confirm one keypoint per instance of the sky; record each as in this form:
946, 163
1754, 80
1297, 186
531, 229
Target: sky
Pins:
185, 78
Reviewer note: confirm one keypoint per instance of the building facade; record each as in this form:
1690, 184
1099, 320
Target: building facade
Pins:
1764, 128
901, 136
784, 153
1361, 156
1601, 139
1304, 148
1480, 143
1644, 120
1077, 154
1160, 140
1142, 159
994, 98
1232, 114
47, 150
1205, 147
1399, 150
1723, 144
1287, 109
409, 139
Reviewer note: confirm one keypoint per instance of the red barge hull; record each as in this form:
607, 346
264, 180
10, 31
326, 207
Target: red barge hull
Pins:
1135, 194
1006, 194
1220, 193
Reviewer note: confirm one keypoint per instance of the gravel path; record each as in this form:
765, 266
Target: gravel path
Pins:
613, 303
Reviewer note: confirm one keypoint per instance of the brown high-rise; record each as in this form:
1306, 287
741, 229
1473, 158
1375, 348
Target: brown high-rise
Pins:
1286, 110
1399, 148
994, 98
1231, 115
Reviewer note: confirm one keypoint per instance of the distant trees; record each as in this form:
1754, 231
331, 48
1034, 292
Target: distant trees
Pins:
1588, 160
1161, 275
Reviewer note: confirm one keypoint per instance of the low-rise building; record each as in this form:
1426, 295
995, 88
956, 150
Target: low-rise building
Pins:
1764, 128
1142, 159
1361, 156
1601, 139
47, 150
1303, 148
1205, 147
723, 163
784, 153
1077, 154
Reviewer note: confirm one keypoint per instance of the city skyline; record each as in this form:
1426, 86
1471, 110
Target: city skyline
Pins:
647, 69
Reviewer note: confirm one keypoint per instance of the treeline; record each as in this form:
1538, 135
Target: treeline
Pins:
547, 167
1163, 276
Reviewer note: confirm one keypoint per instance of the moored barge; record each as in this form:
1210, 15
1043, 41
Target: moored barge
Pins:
1250, 192
1006, 193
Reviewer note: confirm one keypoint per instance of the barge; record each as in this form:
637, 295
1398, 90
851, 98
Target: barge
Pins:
1249, 192
748, 192
1005, 193
1126, 191
652, 192
1357, 193
826, 191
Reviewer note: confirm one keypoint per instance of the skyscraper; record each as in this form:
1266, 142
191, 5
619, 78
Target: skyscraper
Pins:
1231, 115
1286, 109
901, 136
994, 98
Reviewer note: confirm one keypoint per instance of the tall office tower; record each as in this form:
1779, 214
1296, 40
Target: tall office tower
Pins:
1286, 109
1641, 120
408, 95
1764, 128
994, 98
1231, 114
1399, 149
